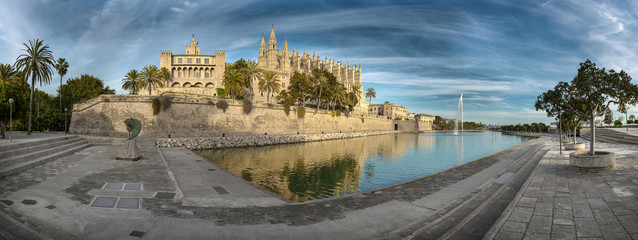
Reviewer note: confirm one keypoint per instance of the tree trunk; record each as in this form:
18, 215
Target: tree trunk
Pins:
592, 144
575, 127
2, 129
268, 97
149, 89
31, 102
60, 93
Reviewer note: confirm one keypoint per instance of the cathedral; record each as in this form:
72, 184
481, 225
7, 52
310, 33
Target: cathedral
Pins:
286, 64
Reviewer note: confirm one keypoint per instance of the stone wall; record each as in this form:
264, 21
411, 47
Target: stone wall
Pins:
199, 117
256, 140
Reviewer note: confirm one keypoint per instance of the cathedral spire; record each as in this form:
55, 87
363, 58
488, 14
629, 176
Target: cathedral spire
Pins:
272, 40
286, 46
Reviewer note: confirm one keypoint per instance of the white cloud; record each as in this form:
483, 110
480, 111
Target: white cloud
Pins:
176, 9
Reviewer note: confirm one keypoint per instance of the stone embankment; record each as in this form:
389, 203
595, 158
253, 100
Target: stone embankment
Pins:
256, 140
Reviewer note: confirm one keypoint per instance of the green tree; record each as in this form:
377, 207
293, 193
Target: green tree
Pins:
61, 66
233, 84
300, 87
251, 72
609, 117
7, 74
35, 63
339, 96
132, 82
165, 75
7, 91
632, 118
269, 82
83, 88
151, 77
356, 90
597, 89
370, 93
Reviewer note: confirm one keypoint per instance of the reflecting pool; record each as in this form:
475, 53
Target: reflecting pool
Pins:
307, 171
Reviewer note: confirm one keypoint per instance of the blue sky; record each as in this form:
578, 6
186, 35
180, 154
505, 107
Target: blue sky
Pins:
422, 54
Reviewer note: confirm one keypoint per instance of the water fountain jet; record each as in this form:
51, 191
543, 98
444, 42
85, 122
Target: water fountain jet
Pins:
459, 112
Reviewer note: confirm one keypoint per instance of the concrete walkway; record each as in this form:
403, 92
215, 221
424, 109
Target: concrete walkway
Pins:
557, 202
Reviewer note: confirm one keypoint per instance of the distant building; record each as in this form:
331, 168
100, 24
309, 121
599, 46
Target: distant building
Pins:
422, 117
387, 109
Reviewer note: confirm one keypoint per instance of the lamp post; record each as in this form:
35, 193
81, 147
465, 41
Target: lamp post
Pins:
10, 119
65, 113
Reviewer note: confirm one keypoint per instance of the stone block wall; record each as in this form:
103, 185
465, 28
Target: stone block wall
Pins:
197, 117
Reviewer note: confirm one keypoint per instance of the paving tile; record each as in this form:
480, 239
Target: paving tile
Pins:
539, 225
507, 235
563, 216
563, 203
106, 202
604, 216
129, 203
597, 203
563, 232
527, 202
630, 222
587, 227
521, 214
578, 198
114, 186
582, 210
543, 209
619, 209
532, 192
511, 226
614, 232
133, 186
546, 196
533, 236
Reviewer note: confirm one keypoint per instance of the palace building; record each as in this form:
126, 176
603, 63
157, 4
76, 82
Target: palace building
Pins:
192, 72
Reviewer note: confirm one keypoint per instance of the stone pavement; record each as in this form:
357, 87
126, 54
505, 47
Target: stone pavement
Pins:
557, 202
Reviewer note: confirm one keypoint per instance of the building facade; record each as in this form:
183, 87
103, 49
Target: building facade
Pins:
192, 72
387, 109
422, 117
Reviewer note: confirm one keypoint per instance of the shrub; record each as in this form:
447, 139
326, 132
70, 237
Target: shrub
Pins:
286, 109
301, 111
363, 120
210, 102
338, 113
156, 104
333, 113
223, 105
220, 93
247, 106
166, 102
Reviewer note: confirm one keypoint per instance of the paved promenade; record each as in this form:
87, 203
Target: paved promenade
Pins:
557, 202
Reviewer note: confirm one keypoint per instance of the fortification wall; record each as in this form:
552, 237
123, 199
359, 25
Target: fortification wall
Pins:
197, 117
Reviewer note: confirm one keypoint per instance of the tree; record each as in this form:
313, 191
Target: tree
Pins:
356, 90
339, 95
7, 73
82, 88
151, 77
19, 103
300, 87
597, 89
609, 117
370, 93
165, 75
35, 63
269, 82
61, 66
132, 82
632, 119
251, 72
233, 83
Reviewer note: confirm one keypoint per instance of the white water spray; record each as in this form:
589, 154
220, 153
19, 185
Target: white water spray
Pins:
459, 114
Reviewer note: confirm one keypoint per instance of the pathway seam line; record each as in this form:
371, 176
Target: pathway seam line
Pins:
178, 191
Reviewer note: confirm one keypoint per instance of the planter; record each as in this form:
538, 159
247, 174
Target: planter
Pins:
575, 146
602, 161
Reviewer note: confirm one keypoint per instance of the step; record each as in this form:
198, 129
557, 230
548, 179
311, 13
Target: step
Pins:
22, 166
36, 146
4, 163
15, 145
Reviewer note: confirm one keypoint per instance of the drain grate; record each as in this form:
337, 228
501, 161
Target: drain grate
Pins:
8, 202
106, 202
29, 202
113, 186
50, 207
133, 186
129, 203
220, 190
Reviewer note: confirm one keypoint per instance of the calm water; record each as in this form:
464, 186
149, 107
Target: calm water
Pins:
306, 171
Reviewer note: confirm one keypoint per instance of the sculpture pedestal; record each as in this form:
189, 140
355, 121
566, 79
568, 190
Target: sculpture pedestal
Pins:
128, 151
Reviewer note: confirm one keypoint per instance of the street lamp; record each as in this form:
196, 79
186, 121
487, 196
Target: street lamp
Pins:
65, 111
10, 119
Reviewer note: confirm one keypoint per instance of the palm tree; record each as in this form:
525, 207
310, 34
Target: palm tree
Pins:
151, 77
340, 95
370, 93
36, 63
356, 90
269, 83
132, 82
61, 66
251, 72
319, 82
165, 75
7, 73
233, 83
